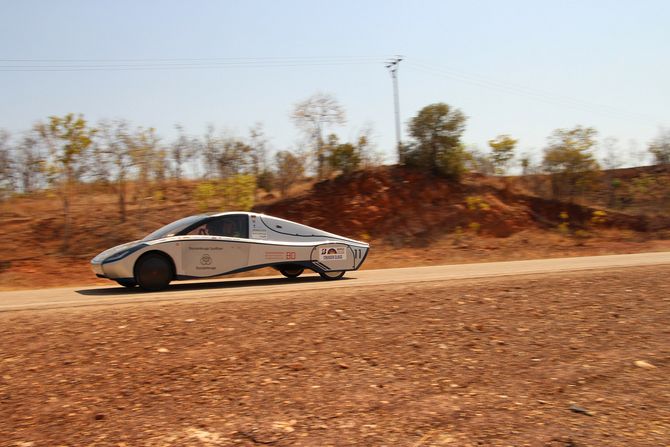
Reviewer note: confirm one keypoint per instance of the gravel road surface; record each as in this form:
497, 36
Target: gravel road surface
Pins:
571, 354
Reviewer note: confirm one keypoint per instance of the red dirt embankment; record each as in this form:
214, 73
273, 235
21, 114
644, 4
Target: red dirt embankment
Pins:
401, 205
409, 217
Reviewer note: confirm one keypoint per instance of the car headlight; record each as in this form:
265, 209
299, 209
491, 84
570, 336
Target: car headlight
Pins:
123, 253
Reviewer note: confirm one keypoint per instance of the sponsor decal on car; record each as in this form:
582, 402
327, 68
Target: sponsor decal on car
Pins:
206, 262
333, 254
259, 234
280, 255
275, 255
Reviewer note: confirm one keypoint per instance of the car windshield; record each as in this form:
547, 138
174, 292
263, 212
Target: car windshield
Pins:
173, 228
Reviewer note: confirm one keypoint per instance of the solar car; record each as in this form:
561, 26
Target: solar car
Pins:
209, 245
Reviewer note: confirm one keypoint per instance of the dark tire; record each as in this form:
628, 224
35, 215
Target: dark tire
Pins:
330, 276
153, 272
130, 283
291, 272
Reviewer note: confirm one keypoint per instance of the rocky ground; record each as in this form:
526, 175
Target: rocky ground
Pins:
576, 359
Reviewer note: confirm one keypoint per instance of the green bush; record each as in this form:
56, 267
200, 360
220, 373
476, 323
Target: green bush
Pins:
234, 193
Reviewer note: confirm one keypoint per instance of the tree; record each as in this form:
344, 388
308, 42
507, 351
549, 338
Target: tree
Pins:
99, 161
329, 145
611, 160
370, 157
210, 152
478, 161
233, 158
142, 146
30, 162
182, 150
257, 149
343, 157
569, 161
117, 145
525, 163
313, 115
159, 168
290, 169
68, 139
502, 151
660, 147
7, 168
436, 141
266, 180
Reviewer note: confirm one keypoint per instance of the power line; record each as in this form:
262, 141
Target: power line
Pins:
535, 94
217, 63
159, 68
223, 59
37, 65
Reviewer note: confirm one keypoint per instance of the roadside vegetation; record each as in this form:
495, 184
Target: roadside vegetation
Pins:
73, 162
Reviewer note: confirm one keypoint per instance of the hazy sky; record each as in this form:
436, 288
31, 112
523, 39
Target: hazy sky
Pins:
517, 67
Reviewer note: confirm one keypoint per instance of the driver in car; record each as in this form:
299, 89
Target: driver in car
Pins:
227, 228
230, 229
222, 228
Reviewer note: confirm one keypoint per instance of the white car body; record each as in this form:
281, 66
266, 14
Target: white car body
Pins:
256, 241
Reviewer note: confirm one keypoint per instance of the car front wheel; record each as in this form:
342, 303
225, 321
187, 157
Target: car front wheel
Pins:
153, 272
332, 275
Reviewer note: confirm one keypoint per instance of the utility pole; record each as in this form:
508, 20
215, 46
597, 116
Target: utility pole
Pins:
392, 66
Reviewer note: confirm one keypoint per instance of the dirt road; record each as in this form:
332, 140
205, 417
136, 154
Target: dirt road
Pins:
567, 358
239, 289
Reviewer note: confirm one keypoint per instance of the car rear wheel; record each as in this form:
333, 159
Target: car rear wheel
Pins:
153, 272
130, 283
332, 275
291, 272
